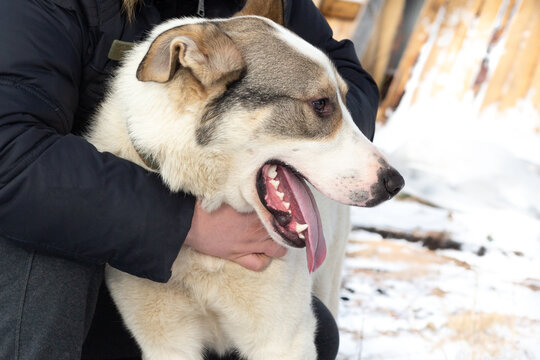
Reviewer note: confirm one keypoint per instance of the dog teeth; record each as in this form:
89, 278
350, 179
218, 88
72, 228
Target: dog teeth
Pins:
287, 205
280, 195
272, 171
275, 183
301, 227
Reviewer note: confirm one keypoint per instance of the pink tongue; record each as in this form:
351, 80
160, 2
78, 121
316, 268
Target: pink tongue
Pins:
315, 242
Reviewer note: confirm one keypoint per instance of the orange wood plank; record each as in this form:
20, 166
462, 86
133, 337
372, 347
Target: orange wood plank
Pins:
342, 29
501, 80
525, 60
410, 56
448, 64
535, 87
487, 25
378, 53
451, 34
342, 9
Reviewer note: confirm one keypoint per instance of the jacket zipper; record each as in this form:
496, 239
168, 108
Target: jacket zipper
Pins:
200, 9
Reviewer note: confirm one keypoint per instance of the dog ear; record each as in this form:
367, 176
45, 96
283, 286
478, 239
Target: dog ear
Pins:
203, 48
271, 9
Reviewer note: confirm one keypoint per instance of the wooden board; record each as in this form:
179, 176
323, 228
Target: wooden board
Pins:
342, 28
535, 88
446, 66
516, 69
410, 56
491, 25
340, 8
487, 51
377, 55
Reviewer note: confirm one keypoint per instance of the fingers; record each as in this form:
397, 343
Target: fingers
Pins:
260, 261
265, 245
241, 237
254, 262
274, 250
281, 251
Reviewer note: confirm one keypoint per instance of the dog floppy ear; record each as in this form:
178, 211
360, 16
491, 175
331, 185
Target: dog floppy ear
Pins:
202, 48
271, 9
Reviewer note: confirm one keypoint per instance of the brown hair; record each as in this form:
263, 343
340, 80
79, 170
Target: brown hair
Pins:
270, 9
129, 8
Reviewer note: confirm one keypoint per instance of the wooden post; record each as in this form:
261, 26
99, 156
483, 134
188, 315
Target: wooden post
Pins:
343, 9
378, 52
442, 71
489, 33
410, 56
535, 88
366, 24
525, 62
514, 71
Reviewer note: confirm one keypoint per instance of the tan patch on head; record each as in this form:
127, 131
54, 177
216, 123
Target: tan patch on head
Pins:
280, 77
300, 117
202, 48
343, 88
187, 94
185, 89
195, 62
327, 90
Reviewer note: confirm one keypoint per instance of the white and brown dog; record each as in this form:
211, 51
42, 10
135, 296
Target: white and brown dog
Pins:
241, 111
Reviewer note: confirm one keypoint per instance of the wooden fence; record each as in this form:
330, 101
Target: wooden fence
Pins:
487, 49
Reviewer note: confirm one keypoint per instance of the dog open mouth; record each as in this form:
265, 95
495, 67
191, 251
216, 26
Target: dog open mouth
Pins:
284, 193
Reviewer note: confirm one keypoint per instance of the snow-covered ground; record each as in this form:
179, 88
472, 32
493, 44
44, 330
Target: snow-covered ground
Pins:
477, 176
472, 176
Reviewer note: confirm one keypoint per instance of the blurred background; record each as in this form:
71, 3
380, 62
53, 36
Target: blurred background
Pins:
451, 268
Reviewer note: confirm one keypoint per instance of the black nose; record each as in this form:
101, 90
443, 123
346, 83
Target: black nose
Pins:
393, 181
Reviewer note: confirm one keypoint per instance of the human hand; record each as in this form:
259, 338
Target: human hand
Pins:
238, 237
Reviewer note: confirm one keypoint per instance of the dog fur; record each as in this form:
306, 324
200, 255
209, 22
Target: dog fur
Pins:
211, 102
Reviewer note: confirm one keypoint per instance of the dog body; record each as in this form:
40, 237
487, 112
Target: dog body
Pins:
238, 111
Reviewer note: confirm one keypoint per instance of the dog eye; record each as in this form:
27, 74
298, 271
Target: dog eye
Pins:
322, 107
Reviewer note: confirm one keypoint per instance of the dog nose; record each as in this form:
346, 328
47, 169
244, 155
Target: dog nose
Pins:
393, 181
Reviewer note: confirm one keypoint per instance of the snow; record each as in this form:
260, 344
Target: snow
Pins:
472, 173
480, 173
402, 301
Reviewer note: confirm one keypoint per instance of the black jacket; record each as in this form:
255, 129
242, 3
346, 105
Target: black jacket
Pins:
58, 194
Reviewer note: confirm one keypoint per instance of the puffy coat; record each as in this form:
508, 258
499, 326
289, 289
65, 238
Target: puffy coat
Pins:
58, 194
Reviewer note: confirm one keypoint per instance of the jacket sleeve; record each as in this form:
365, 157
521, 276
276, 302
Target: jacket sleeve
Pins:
303, 17
58, 194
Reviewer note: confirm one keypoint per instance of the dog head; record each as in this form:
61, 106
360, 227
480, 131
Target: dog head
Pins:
244, 111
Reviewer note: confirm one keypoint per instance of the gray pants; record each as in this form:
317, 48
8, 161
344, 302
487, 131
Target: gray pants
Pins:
46, 304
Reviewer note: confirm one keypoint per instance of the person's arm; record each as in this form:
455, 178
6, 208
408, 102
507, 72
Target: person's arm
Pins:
303, 17
58, 194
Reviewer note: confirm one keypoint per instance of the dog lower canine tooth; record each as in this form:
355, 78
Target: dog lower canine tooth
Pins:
197, 97
301, 227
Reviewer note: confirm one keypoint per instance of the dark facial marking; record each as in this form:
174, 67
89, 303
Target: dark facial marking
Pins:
237, 94
279, 77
